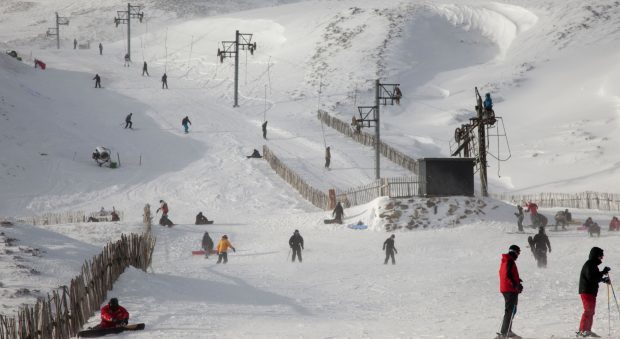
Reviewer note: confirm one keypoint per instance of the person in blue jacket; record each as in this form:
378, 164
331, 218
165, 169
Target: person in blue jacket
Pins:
488, 102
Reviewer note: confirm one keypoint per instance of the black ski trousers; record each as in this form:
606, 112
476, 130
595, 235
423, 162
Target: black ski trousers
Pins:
541, 258
511, 300
388, 254
296, 252
222, 256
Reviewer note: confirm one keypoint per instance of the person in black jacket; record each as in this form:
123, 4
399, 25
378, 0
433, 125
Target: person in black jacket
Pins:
145, 69
589, 279
541, 244
296, 242
164, 81
128, 122
338, 213
207, 244
264, 127
388, 246
201, 219
97, 79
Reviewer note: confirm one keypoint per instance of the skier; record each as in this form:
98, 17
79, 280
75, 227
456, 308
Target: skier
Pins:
264, 127
338, 213
388, 247
185, 122
113, 315
97, 79
201, 219
100, 49
328, 157
128, 122
397, 94
540, 244
222, 248
74, 43
207, 244
520, 217
145, 70
127, 60
589, 279
510, 286
296, 242
164, 81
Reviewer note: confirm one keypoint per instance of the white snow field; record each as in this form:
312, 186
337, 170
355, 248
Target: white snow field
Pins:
550, 65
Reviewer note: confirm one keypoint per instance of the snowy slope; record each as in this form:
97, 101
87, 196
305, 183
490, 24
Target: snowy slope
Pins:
550, 65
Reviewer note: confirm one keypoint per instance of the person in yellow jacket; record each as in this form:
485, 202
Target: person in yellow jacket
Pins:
222, 247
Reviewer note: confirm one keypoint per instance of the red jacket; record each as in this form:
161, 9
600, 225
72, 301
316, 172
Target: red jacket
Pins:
509, 275
108, 316
532, 208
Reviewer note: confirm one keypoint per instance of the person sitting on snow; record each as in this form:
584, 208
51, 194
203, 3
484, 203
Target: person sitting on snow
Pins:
255, 154
113, 315
201, 219
614, 224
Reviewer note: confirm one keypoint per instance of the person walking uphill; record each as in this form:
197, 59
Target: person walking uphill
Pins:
222, 248
145, 70
207, 244
128, 122
97, 79
185, 122
100, 49
510, 286
296, 242
540, 244
264, 127
589, 279
388, 247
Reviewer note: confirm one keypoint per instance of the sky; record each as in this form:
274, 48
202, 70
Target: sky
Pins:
550, 67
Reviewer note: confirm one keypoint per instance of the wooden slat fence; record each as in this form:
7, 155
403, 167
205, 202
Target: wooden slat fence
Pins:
63, 313
66, 218
584, 200
313, 195
368, 139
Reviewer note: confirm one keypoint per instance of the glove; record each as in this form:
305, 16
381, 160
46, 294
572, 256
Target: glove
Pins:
606, 280
520, 288
234, 250
606, 270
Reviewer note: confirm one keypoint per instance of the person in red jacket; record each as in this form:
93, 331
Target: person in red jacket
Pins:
510, 287
113, 315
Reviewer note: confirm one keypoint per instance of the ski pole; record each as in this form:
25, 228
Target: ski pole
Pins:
614, 293
512, 316
608, 312
289, 254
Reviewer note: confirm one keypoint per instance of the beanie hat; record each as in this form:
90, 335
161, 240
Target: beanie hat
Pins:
113, 302
596, 252
514, 248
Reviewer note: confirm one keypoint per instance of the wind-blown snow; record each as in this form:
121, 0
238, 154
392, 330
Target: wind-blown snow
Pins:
550, 65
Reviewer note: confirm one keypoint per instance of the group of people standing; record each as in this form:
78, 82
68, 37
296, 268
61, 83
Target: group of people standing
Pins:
221, 249
510, 285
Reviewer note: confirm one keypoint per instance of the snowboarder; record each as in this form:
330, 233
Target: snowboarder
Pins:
201, 219
264, 127
388, 247
164, 81
145, 70
255, 154
128, 122
328, 157
100, 49
540, 244
207, 244
589, 279
74, 43
397, 94
296, 242
222, 248
614, 224
185, 122
97, 79
113, 315
510, 286
338, 213
562, 218
594, 229
520, 217
115, 216
127, 60
163, 207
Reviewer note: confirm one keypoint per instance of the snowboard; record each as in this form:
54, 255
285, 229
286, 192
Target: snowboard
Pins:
530, 241
92, 333
357, 226
209, 222
331, 221
202, 252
